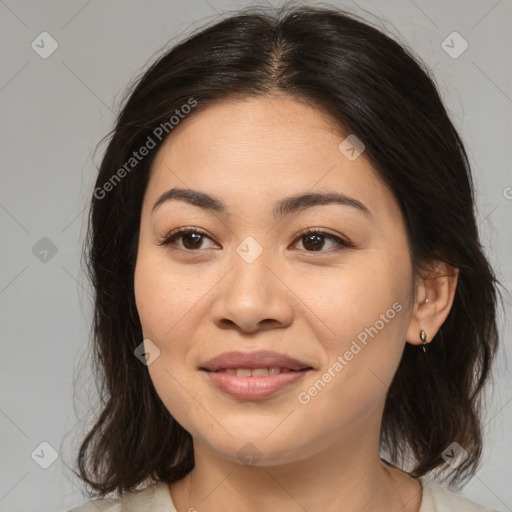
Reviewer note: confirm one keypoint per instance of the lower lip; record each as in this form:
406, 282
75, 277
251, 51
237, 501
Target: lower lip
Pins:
253, 388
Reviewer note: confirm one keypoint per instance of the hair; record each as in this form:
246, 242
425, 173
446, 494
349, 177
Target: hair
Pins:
371, 86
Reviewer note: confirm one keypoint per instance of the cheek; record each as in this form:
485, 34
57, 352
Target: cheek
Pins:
165, 300
352, 297
150, 299
164, 295
363, 307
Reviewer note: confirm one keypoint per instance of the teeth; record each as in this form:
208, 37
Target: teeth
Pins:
260, 372
256, 372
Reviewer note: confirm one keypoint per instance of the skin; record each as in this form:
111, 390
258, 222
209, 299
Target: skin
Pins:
197, 303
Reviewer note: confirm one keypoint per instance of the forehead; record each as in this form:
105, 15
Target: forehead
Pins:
274, 126
250, 150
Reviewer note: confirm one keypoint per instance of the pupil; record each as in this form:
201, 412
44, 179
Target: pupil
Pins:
192, 239
315, 242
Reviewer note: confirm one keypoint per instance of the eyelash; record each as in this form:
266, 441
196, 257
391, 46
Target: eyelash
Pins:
169, 239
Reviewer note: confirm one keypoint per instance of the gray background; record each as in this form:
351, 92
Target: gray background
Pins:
55, 110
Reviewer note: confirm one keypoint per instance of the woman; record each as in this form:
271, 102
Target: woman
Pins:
293, 310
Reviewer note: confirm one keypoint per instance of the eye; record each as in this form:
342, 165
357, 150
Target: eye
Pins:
191, 239
315, 240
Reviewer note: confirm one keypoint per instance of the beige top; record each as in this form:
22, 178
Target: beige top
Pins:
158, 499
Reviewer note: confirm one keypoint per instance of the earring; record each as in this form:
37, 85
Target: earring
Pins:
423, 338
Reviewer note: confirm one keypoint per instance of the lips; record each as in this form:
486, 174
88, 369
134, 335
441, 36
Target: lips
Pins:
253, 361
255, 375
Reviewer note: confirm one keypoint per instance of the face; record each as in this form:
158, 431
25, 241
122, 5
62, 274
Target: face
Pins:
244, 275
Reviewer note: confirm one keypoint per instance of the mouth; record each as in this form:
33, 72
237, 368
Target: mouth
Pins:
256, 372
254, 376
260, 361
253, 387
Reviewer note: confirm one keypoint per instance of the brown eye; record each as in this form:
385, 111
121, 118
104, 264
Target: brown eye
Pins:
316, 241
191, 239
313, 242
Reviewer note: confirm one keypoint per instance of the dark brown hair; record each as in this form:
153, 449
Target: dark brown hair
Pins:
374, 88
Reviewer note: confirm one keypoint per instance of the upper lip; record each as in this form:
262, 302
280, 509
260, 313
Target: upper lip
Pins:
252, 360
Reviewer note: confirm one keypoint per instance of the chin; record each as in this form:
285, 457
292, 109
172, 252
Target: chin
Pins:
258, 450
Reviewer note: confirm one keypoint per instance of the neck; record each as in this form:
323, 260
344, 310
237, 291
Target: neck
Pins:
346, 476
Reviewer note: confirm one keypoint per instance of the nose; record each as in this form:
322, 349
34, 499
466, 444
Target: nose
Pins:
252, 297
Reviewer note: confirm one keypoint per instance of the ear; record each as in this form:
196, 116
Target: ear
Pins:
435, 292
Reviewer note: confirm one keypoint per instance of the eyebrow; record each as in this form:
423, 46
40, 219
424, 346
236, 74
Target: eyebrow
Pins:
282, 208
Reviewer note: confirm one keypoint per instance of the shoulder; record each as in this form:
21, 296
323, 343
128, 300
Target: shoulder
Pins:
440, 499
155, 498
